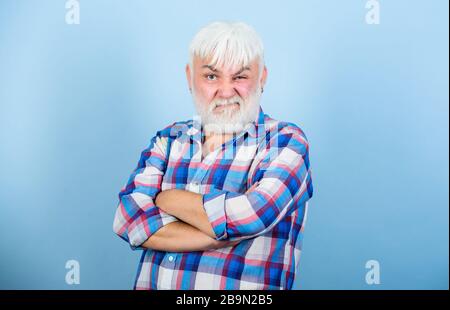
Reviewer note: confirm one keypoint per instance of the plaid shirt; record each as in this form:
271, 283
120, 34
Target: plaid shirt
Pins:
255, 189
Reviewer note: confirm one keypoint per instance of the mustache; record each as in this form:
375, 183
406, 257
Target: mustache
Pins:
221, 102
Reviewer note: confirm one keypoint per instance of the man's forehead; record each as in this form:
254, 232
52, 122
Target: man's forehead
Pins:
236, 70
206, 63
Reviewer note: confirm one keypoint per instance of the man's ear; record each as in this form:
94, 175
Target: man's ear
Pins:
263, 79
188, 76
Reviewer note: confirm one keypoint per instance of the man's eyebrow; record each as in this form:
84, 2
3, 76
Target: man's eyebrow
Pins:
210, 68
237, 73
242, 70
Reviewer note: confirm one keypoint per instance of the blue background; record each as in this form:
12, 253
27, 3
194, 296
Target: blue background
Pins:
78, 103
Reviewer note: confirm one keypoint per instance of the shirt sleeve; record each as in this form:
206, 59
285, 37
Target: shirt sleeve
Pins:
281, 184
137, 218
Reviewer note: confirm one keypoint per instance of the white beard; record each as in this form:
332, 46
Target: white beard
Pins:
229, 120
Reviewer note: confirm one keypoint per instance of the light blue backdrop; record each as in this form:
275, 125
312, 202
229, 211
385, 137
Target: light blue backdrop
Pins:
79, 102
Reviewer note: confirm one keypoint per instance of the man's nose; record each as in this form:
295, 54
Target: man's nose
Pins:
226, 90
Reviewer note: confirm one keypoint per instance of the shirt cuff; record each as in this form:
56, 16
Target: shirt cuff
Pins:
140, 235
214, 205
147, 224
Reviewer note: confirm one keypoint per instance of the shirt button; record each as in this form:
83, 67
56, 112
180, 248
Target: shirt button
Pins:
170, 258
195, 187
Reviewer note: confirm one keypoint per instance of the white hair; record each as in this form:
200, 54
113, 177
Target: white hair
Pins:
231, 44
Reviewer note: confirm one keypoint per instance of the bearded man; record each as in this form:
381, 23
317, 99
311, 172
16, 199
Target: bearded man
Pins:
220, 201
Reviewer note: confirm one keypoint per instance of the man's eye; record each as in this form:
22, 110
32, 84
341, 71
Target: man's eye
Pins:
240, 77
211, 77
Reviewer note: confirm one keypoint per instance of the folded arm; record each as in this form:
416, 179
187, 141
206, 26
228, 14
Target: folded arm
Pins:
182, 237
282, 184
191, 212
143, 225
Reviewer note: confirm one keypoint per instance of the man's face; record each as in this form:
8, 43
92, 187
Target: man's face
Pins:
226, 98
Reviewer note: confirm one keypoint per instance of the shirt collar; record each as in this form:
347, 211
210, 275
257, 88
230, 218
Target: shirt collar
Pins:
260, 121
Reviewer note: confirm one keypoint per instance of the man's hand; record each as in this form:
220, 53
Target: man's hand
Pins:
186, 206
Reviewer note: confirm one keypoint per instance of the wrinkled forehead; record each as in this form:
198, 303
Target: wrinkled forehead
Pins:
210, 62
